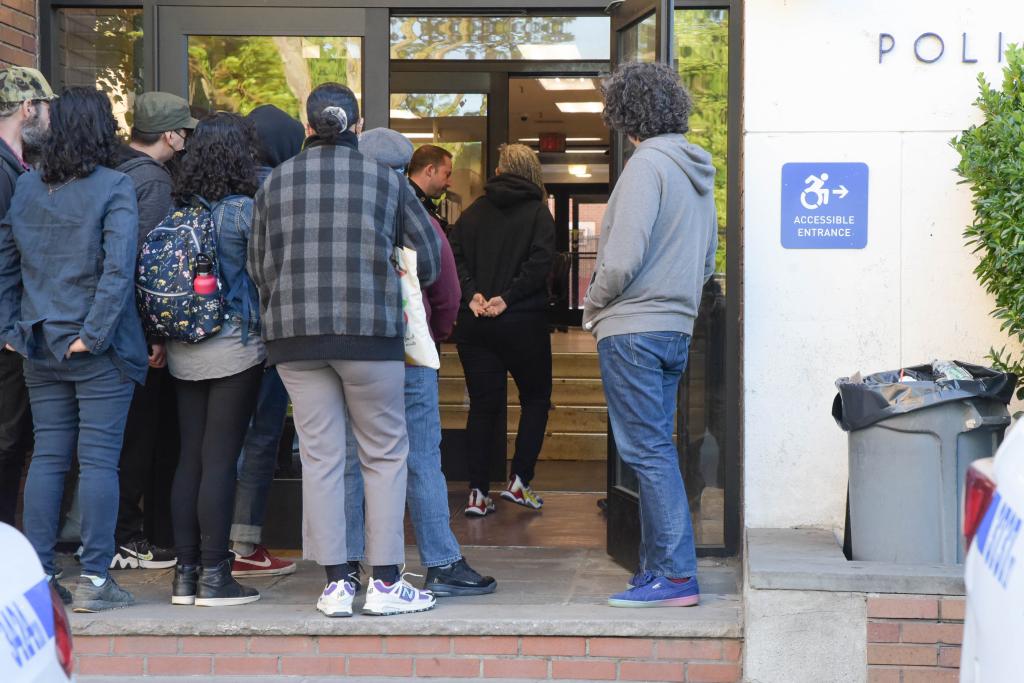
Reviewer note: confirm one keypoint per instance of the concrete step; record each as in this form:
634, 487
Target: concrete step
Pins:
576, 392
569, 419
563, 365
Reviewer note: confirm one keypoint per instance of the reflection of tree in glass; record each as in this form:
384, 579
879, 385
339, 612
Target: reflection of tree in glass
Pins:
474, 37
702, 50
441, 105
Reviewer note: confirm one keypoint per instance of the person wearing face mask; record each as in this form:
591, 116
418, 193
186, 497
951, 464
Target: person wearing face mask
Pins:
149, 454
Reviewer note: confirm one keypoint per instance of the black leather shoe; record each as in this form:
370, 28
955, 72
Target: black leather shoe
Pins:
183, 590
217, 588
458, 579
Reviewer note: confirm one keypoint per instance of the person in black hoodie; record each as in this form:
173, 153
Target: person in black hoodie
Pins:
504, 244
150, 451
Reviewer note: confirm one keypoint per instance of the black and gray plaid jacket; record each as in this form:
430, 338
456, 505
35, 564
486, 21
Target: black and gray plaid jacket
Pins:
323, 232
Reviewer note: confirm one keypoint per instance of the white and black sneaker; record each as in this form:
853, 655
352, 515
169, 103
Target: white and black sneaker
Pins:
336, 599
141, 554
400, 597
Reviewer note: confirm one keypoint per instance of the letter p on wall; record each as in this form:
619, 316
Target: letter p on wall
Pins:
886, 44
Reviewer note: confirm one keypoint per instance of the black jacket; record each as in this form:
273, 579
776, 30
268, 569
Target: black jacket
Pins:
504, 244
429, 204
10, 169
152, 187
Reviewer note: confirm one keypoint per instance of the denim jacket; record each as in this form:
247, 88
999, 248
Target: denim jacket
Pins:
67, 270
232, 217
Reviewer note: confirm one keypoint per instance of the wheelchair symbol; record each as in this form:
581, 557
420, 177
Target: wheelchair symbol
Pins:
816, 189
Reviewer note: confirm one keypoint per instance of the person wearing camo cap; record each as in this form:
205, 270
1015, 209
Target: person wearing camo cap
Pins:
24, 121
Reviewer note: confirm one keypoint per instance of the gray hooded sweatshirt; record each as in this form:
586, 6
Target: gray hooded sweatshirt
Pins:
658, 242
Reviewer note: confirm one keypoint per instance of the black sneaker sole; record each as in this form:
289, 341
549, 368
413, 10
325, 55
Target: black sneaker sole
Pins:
446, 591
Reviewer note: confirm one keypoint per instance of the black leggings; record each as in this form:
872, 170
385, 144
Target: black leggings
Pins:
214, 415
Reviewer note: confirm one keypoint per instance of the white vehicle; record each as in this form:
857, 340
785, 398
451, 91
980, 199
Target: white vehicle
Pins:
993, 510
36, 642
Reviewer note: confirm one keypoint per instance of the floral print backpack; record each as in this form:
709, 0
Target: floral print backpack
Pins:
169, 306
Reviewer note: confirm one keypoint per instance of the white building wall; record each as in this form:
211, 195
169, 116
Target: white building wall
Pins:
814, 91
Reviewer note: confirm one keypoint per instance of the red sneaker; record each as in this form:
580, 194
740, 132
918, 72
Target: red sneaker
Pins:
261, 563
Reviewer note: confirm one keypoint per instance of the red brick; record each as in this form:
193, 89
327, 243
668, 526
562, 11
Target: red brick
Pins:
487, 645
651, 671
179, 666
712, 673
689, 649
145, 645
10, 55
105, 665
312, 666
930, 675
903, 607
92, 645
908, 655
516, 668
282, 645
213, 645
731, 650
949, 657
638, 648
563, 647
380, 666
949, 634
582, 670
883, 675
449, 667
244, 666
362, 645
952, 609
883, 632
418, 645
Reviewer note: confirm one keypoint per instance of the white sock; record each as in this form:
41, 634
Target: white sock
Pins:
96, 580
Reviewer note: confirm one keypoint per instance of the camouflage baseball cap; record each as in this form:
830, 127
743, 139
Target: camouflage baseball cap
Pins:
20, 83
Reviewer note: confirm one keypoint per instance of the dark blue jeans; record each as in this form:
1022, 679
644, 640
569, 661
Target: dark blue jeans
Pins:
641, 373
78, 403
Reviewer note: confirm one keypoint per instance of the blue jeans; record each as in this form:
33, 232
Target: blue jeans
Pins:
80, 403
427, 490
641, 375
259, 459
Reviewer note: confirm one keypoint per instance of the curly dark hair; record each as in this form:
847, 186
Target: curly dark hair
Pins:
643, 100
220, 160
83, 135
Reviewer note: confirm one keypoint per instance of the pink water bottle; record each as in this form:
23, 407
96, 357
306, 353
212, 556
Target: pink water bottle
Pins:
205, 282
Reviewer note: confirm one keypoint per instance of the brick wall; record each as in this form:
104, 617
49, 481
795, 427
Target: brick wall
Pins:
535, 658
914, 639
18, 33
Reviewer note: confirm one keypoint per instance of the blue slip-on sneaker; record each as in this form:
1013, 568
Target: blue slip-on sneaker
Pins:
657, 591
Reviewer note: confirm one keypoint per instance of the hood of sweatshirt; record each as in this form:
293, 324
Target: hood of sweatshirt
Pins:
279, 135
694, 161
139, 164
507, 189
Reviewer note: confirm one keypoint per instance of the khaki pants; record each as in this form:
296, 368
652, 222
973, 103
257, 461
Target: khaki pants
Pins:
371, 392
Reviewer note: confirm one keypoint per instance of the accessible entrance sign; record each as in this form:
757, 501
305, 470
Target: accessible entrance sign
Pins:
824, 206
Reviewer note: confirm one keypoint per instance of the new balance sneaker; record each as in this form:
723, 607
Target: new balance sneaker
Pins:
479, 504
142, 554
647, 590
336, 600
261, 563
108, 595
183, 588
458, 579
521, 494
398, 598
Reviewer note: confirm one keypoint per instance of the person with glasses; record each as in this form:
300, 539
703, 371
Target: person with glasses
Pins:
149, 455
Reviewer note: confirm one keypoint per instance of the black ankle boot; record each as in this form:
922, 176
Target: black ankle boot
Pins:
217, 588
183, 590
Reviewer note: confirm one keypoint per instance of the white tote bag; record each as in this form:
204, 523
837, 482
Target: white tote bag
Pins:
419, 345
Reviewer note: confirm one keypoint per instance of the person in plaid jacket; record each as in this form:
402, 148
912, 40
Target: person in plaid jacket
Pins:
324, 229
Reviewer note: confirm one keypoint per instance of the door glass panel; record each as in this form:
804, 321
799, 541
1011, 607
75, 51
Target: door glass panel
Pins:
587, 216
102, 48
639, 42
240, 73
458, 123
519, 37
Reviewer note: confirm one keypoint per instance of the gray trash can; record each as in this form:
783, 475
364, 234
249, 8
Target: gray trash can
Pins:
907, 478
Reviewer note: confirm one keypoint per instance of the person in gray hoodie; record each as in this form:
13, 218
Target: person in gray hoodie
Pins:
656, 251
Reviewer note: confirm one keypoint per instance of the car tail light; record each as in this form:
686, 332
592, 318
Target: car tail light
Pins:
61, 632
978, 491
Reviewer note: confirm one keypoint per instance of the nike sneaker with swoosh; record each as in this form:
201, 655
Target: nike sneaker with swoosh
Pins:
260, 563
141, 554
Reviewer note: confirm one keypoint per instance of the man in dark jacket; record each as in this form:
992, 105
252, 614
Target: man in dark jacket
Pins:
149, 453
430, 171
24, 121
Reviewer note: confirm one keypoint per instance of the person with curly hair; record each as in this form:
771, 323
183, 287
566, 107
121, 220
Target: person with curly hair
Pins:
67, 305
217, 381
656, 252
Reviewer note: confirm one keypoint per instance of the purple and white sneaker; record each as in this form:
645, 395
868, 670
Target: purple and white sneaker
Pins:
648, 590
336, 600
400, 597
